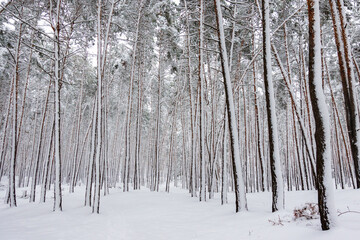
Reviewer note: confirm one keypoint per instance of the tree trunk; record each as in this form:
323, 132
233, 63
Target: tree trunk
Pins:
322, 121
240, 193
202, 195
275, 162
224, 180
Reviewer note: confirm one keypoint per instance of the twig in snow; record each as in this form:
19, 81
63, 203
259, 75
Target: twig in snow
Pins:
348, 211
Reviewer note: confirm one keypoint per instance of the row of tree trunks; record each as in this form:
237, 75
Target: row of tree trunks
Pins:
348, 82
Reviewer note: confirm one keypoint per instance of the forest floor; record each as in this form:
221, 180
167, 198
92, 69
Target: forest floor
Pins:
145, 215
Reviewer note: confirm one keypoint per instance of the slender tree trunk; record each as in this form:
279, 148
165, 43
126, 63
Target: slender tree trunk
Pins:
91, 157
224, 186
275, 162
5, 131
156, 160
57, 86
14, 144
138, 131
192, 174
202, 195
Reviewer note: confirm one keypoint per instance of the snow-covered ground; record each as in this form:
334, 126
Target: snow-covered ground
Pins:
138, 215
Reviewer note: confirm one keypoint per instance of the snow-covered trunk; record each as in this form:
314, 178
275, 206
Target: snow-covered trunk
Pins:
195, 168
57, 185
192, 174
257, 122
202, 195
171, 158
156, 160
224, 175
137, 139
100, 56
149, 161
139, 104
157, 139
106, 159
14, 145
245, 145
240, 193
322, 121
275, 163
184, 165
89, 180
138, 131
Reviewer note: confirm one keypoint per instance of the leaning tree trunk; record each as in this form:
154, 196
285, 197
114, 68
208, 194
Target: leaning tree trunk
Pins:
240, 194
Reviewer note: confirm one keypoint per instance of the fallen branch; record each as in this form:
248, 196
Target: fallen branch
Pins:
348, 211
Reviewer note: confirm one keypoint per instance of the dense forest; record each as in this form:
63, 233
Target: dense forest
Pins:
215, 96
